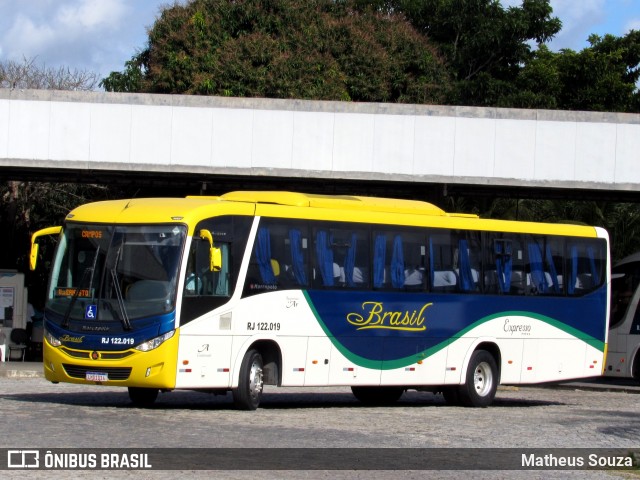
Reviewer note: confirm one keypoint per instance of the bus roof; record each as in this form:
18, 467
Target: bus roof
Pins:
347, 208
340, 202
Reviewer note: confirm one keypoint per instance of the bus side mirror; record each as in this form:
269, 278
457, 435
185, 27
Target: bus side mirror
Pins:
215, 259
215, 254
33, 256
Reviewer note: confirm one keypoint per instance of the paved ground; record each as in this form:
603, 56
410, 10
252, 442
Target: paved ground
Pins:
591, 415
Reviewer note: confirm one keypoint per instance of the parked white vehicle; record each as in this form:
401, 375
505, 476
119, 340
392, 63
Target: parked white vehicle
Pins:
623, 358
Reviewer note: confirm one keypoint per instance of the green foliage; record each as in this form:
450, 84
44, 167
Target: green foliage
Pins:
602, 77
128, 81
320, 49
484, 44
458, 52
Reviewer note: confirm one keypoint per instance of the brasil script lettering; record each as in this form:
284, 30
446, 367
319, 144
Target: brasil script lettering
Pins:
375, 316
70, 339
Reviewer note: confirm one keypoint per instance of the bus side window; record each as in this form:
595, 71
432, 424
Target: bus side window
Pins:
341, 257
468, 262
399, 260
415, 257
297, 243
621, 294
544, 270
498, 272
326, 272
443, 277
355, 272
288, 254
635, 326
585, 271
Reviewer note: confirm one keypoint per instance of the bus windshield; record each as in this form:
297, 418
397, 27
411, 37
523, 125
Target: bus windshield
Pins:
104, 273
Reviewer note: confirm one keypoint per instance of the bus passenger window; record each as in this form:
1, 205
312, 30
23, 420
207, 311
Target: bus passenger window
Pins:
455, 261
287, 251
415, 274
388, 261
341, 258
544, 271
468, 262
441, 263
499, 267
297, 244
585, 266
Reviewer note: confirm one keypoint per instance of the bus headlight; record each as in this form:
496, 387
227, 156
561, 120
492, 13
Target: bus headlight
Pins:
155, 342
53, 341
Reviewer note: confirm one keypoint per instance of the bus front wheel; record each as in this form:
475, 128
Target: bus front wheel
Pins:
249, 392
481, 383
143, 397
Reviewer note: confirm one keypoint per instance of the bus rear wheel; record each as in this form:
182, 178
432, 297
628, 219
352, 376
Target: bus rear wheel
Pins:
249, 392
481, 383
143, 397
635, 369
378, 395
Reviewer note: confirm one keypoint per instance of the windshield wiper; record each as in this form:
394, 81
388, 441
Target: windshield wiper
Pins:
116, 285
123, 310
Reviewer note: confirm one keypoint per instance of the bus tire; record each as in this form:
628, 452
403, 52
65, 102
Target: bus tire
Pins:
143, 397
635, 368
378, 395
249, 392
481, 383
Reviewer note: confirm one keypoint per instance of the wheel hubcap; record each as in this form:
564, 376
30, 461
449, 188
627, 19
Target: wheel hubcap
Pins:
483, 379
255, 379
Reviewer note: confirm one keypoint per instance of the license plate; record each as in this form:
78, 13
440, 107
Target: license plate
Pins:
96, 376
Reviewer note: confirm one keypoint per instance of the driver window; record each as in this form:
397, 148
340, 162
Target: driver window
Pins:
200, 280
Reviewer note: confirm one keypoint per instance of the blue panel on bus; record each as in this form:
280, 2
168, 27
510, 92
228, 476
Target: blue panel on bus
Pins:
98, 336
388, 326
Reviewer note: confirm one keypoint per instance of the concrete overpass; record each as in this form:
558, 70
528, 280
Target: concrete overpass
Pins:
178, 142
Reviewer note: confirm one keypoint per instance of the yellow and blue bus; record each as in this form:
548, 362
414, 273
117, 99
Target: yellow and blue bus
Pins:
233, 292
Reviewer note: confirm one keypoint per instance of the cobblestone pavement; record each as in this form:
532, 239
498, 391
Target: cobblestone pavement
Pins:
38, 414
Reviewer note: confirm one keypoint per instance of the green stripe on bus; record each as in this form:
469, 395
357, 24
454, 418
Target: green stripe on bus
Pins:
421, 356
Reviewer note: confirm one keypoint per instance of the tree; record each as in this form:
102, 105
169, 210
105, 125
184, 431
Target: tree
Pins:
602, 77
485, 45
320, 49
28, 206
129, 81
27, 74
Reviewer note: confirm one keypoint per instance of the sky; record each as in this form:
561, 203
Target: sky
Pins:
101, 35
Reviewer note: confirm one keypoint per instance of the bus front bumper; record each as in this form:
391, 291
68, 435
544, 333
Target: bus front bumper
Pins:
127, 368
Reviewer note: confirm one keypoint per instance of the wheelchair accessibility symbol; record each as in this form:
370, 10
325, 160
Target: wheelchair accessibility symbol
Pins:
90, 312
